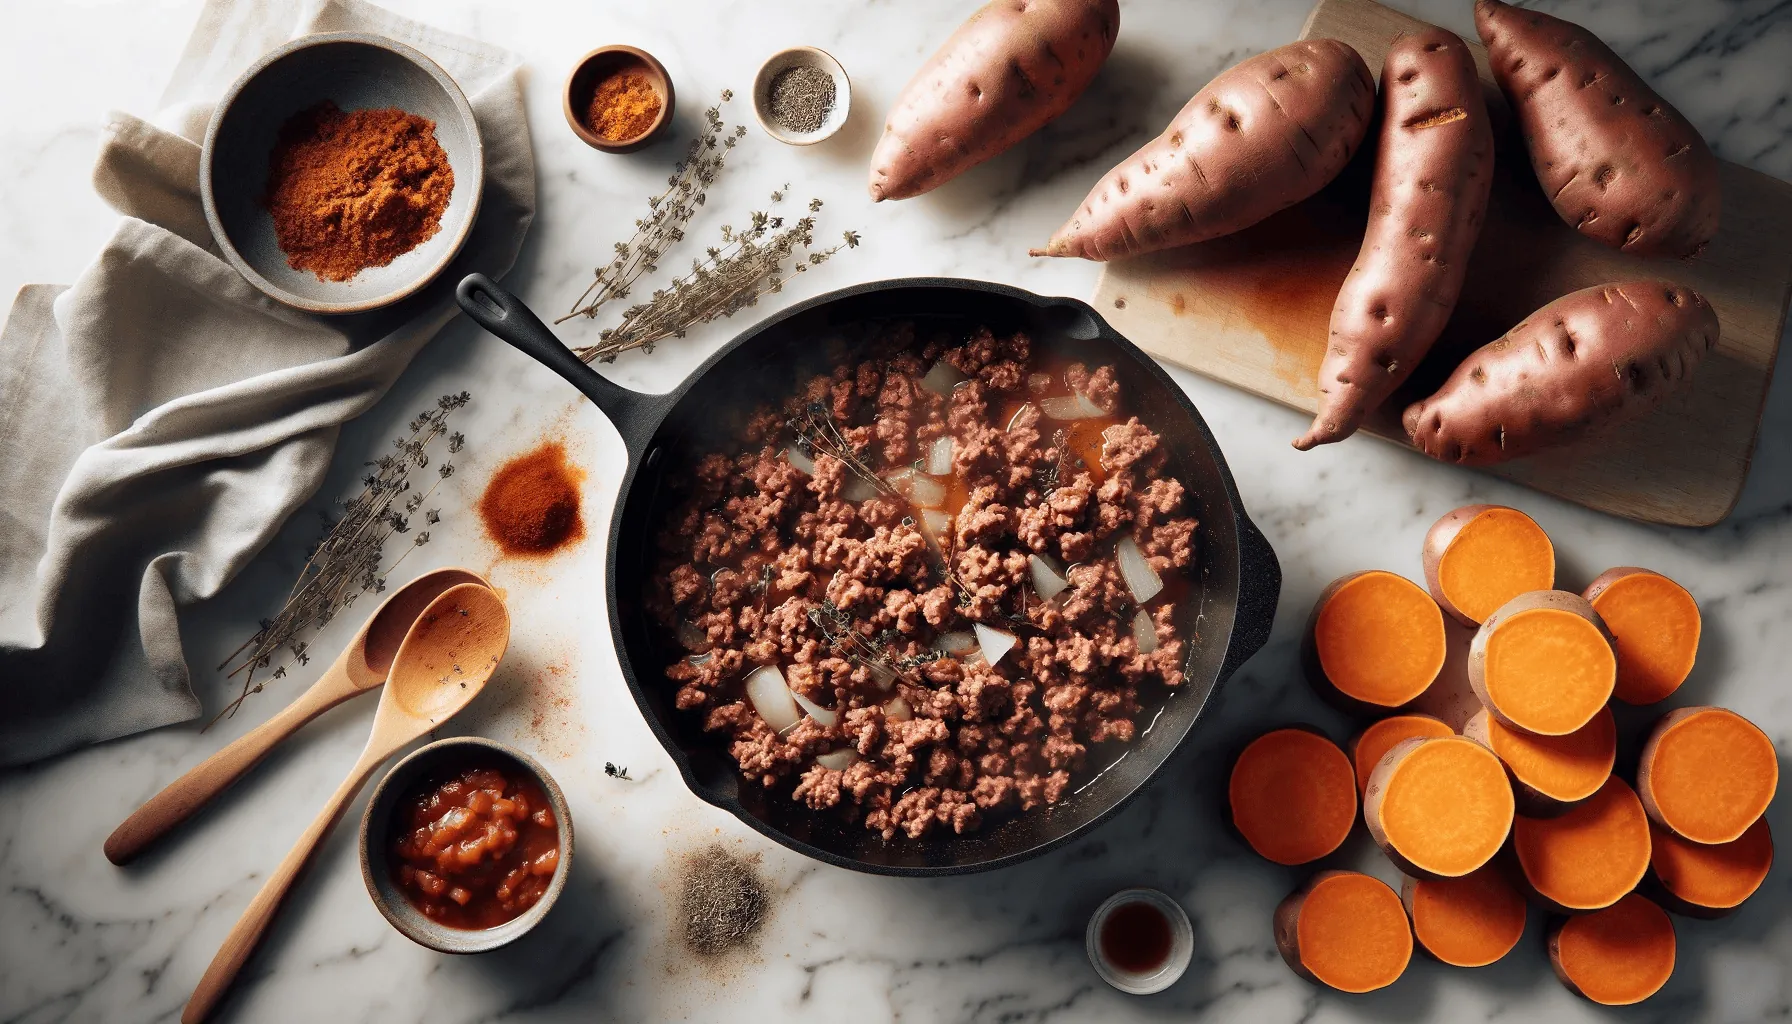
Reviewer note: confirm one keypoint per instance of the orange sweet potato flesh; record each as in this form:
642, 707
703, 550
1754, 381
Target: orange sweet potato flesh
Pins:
1260, 137
1656, 625
1465, 922
1378, 638
1618, 956
1590, 857
1711, 880
1293, 796
1426, 205
1372, 744
1346, 930
1617, 161
1011, 68
1584, 363
1544, 663
1550, 774
1707, 773
1439, 808
1478, 557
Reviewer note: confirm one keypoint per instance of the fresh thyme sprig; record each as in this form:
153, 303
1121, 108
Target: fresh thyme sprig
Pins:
346, 561
687, 189
730, 277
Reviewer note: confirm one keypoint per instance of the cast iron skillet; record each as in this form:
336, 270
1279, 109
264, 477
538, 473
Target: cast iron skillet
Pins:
1229, 607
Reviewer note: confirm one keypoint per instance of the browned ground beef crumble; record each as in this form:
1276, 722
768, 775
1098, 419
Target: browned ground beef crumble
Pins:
756, 546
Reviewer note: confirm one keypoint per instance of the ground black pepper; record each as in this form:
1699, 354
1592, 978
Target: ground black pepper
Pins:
721, 900
801, 99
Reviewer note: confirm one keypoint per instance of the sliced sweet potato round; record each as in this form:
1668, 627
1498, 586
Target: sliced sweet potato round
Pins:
1656, 625
1617, 956
1368, 747
1550, 774
1707, 773
1439, 808
1292, 795
1465, 922
1543, 663
1707, 881
1478, 557
1375, 641
1346, 930
1588, 858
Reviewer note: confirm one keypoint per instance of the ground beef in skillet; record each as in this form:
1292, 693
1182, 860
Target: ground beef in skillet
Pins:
759, 551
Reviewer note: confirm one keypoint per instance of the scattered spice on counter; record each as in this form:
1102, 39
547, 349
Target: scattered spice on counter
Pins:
531, 505
721, 901
349, 190
623, 106
347, 560
801, 98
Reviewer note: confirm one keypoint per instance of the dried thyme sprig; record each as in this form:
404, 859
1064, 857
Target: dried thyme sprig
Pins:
346, 561
730, 277
842, 634
667, 214
818, 434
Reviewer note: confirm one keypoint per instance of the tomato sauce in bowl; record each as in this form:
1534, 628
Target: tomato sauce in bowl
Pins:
474, 845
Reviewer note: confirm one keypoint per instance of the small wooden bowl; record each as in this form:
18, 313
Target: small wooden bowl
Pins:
593, 68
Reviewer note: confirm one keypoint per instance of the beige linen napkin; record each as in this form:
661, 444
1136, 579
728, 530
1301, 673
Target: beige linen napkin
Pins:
160, 418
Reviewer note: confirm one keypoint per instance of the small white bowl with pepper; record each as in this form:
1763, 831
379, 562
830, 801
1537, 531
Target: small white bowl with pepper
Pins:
801, 95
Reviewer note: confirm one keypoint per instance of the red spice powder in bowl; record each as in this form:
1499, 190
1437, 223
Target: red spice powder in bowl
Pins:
610, 97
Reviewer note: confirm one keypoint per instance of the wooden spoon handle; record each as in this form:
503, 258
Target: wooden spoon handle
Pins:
186, 795
240, 944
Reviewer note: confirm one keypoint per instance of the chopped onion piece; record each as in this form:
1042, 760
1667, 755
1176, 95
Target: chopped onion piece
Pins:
897, 710
935, 521
859, 489
883, 675
926, 491
771, 698
800, 459
1140, 578
699, 659
838, 760
939, 457
823, 716
994, 642
1012, 420
1046, 579
692, 636
1070, 407
942, 378
1144, 632
955, 643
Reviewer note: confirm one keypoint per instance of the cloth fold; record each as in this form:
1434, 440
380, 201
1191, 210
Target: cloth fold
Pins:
160, 418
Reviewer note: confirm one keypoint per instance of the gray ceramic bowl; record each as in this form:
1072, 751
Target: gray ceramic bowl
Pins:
357, 71
377, 834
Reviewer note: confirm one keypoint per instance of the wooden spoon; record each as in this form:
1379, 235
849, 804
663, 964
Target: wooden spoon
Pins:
361, 667
445, 660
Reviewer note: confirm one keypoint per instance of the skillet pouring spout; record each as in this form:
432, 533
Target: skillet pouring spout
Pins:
503, 314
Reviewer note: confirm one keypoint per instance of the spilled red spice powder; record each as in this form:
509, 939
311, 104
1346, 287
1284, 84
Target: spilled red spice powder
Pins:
531, 505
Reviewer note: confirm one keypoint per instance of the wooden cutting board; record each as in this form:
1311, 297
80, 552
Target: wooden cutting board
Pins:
1252, 310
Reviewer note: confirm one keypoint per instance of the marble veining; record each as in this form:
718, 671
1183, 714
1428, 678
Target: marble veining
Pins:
83, 941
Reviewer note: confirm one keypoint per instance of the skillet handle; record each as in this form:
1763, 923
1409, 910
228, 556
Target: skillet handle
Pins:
505, 315
1259, 591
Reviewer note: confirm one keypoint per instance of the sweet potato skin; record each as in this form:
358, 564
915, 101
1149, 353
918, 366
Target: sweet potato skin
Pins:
1434, 165
1619, 163
1586, 361
1260, 137
1008, 70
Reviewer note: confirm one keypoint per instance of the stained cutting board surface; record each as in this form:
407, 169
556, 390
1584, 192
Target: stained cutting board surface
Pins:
1252, 310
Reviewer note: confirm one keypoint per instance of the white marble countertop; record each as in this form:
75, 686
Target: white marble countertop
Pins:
81, 940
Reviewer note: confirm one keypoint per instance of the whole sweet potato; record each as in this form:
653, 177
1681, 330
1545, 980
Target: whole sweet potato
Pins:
1014, 66
1588, 360
1260, 137
1617, 161
1432, 171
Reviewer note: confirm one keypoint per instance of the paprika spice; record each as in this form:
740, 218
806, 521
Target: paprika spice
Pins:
623, 106
531, 505
349, 190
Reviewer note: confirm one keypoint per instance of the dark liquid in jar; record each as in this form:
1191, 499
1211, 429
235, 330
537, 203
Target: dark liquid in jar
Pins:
475, 846
1136, 938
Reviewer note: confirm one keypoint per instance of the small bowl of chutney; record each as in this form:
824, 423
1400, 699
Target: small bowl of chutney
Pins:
465, 845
